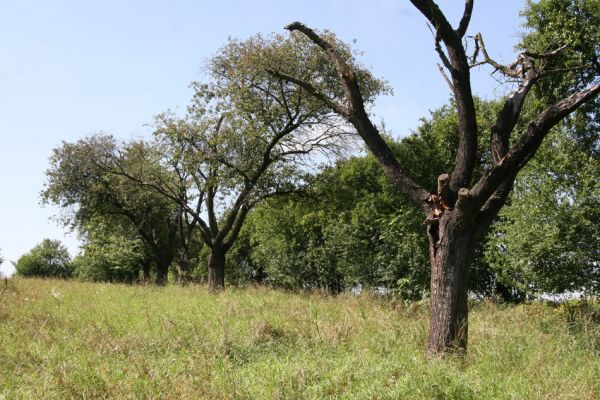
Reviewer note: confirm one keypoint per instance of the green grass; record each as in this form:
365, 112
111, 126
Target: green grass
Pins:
61, 340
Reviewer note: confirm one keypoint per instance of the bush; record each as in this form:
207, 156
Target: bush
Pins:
48, 259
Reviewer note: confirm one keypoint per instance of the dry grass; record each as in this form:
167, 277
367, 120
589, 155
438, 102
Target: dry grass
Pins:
61, 340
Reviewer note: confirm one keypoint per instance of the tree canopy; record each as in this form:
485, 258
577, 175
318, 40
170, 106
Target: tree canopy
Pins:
248, 135
49, 259
79, 183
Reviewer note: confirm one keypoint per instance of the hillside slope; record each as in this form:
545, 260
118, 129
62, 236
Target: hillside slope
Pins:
64, 339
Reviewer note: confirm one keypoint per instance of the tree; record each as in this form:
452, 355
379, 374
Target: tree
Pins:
79, 183
49, 259
246, 137
464, 204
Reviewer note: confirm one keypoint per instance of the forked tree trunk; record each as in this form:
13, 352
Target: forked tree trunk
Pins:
450, 251
216, 269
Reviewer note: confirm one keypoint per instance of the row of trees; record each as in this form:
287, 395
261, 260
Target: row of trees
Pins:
347, 228
245, 152
246, 137
351, 228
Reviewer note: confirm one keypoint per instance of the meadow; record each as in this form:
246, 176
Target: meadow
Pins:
68, 339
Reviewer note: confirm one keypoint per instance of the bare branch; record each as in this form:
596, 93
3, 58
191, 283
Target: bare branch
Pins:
448, 81
438, 48
338, 108
459, 68
508, 70
523, 67
546, 55
358, 116
526, 146
466, 18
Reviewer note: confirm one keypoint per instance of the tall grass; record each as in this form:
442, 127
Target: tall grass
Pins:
61, 340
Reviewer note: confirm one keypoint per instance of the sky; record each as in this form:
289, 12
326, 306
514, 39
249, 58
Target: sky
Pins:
69, 69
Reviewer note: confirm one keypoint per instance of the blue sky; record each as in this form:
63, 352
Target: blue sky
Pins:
72, 68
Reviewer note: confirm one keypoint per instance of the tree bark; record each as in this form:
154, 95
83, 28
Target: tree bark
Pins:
451, 246
216, 269
146, 267
162, 271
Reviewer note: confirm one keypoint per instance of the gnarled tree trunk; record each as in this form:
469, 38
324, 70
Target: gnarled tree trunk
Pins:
216, 269
451, 246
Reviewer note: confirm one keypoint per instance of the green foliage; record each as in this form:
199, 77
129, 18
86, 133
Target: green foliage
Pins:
110, 255
254, 60
574, 23
79, 180
346, 230
288, 245
49, 259
351, 228
64, 340
548, 239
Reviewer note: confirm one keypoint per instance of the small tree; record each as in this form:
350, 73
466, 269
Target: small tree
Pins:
49, 259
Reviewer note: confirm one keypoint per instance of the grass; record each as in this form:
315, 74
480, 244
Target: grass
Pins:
61, 340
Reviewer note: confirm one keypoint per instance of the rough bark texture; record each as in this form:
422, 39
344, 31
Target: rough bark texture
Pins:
216, 269
450, 250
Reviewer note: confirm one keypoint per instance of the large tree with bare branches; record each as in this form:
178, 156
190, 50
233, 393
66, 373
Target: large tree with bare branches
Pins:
464, 203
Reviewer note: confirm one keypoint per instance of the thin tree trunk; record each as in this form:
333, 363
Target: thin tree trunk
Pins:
184, 267
216, 269
450, 251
